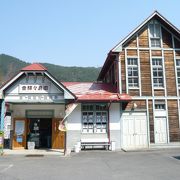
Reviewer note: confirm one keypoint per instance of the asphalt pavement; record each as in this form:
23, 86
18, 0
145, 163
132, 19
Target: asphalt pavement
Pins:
94, 165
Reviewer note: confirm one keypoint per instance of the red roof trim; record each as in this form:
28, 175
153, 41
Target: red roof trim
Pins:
95, 92
34, 67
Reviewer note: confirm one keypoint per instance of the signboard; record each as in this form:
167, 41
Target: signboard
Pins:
19, 139
1, 141
7, 126
34, 88
19, 128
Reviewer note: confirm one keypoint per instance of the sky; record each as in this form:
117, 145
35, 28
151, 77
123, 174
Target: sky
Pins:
73, 32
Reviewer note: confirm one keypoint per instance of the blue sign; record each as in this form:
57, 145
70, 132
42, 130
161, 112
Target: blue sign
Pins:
19, 139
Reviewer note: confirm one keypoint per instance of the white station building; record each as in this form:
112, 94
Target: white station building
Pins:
36, 104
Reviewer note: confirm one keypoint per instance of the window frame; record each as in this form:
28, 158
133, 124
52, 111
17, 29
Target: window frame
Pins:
134, 67
157, 68
103, 126
160, 104
178, 69
155, 35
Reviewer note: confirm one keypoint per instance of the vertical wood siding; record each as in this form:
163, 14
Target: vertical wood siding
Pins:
156, 53
145, 73
143, 38
170, 73
123, 72
166, 39
141, 104
174, 132
131, 52
159, 92
151, 122
133, 92
132, 43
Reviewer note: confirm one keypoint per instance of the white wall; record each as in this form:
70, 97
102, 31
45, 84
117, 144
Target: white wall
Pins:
114, 116
19, 110
74, 127
16, 94
74, 119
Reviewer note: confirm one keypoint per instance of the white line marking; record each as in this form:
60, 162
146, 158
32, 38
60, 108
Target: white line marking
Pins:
5, 169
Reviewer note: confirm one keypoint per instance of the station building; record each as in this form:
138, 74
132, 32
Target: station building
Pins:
134, 103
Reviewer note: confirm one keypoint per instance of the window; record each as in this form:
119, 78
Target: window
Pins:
94, 118
157, 72
178, 71
160, 106
155, 34
132, 64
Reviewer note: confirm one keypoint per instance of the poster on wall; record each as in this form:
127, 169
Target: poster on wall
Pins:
19, 128
19, 139
7, 127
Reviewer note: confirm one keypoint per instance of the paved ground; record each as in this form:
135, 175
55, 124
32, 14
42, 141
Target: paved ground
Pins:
34, 151
96, 165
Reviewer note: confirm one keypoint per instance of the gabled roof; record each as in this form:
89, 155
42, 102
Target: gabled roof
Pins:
37, 67
118, 48
34, 67
156, 14
95, 92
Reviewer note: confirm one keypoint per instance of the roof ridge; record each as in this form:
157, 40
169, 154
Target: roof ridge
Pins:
34, 67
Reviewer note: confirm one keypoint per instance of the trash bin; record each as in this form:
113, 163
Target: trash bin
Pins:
77, 148
31, 145
113, 145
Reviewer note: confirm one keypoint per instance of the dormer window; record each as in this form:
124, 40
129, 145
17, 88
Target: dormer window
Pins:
155, 34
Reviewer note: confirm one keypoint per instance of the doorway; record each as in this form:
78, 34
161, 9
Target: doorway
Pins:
19, 135
134, 130
40, 132
160, 128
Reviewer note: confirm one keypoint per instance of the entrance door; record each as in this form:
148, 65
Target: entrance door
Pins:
19, 136
40, 132
57, 135
134, 130
160, 130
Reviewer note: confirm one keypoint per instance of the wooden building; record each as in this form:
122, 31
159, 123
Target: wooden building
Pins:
134, 104
146, 65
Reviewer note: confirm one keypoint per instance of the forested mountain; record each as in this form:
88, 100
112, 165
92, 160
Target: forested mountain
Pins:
9, 66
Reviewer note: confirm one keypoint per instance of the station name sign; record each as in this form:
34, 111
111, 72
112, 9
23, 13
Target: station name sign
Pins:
34, 88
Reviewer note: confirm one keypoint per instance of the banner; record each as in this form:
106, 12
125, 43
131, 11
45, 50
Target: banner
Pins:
69, 109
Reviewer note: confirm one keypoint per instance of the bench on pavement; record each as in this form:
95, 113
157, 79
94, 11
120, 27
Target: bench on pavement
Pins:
95, 143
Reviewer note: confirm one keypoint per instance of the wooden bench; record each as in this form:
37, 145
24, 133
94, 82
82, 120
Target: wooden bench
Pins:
95, 143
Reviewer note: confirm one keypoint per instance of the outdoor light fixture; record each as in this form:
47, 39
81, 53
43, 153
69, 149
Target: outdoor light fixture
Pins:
134, 105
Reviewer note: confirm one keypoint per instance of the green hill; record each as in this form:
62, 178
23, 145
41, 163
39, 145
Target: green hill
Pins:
9, 66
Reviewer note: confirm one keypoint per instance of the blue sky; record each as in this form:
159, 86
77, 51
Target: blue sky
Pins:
73, 32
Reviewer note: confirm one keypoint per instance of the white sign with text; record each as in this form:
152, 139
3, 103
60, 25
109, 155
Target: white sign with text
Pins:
33, 88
